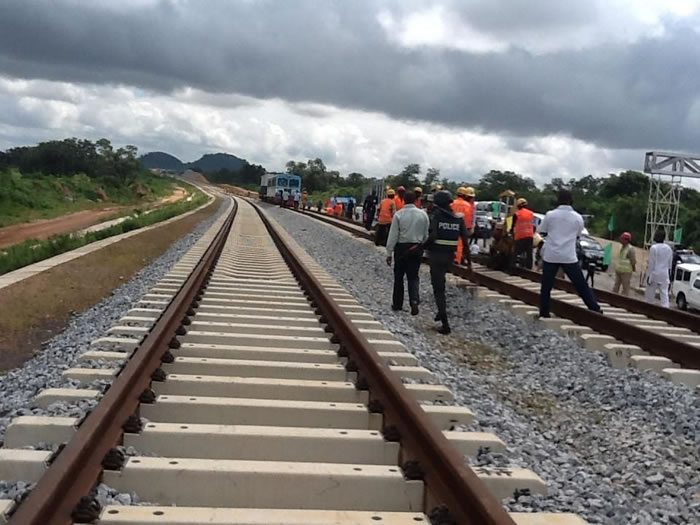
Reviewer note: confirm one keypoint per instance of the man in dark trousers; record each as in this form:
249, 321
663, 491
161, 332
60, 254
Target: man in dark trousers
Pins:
446, 229
369, 210
408, 232
562, 226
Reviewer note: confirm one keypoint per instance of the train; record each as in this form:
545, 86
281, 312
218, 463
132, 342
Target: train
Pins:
278, 187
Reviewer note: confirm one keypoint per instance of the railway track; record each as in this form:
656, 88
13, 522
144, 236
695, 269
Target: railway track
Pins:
255, 390
631, 332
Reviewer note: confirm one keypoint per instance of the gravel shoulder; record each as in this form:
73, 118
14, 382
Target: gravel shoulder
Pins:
35, 309
615, 446
43, 370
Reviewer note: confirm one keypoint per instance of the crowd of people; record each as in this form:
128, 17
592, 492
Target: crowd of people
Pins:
408, 224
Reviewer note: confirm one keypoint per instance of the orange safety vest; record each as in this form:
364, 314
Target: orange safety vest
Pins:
385, 211
523, 226
469, 215
398, 201
338, 209
463, 207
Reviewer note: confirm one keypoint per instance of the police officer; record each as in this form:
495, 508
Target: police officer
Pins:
445, 231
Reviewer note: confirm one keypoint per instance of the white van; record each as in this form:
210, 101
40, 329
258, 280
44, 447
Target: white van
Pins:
686, 286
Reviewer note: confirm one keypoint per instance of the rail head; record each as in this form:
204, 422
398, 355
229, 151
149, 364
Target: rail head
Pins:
77, 468
449, 481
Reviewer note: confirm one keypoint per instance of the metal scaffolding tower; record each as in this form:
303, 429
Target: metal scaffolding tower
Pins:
666, 171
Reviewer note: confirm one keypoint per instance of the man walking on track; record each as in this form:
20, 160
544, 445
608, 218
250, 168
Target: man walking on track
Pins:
562, 226
463, 206
626, 265
445, 232
523, 231
659, 270
408, 232
387, 209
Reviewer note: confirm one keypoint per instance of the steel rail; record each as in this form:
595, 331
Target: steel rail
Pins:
675, 317
77, 468
449, 481
682, 353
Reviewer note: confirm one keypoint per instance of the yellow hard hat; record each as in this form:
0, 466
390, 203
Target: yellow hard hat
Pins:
390, 192
521, 202
463, 191
469, 191
418, 189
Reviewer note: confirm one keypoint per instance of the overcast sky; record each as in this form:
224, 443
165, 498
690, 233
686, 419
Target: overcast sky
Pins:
543, 87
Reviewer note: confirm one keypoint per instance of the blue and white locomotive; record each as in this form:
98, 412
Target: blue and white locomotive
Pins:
279, 187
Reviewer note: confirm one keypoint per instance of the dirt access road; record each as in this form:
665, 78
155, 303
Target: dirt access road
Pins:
44, 229
72, 222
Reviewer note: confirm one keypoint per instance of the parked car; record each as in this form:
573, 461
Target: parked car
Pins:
483, 226
686, 286
683, 257
591, 252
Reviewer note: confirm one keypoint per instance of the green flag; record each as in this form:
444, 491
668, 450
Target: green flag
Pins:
611, 223
678, 235
607, 254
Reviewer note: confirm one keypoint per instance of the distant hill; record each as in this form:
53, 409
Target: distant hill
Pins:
218, 161
209, 163
163, 161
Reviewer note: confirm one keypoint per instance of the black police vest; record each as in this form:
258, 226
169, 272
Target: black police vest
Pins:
448, 227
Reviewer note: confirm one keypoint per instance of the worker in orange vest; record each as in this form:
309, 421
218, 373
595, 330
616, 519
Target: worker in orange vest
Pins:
419, 196
387, 209
399, 201
338, 210
523, 229
464, 206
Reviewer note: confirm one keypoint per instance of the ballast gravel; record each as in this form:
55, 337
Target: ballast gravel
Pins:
616, 446
19, 386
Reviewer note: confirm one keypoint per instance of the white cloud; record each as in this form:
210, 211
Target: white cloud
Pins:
575, 25
271, 132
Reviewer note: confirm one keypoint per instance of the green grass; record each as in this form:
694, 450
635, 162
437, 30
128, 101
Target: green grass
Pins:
32, 251
28, 197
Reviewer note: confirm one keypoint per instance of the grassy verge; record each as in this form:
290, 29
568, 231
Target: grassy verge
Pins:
32, 251
25, 198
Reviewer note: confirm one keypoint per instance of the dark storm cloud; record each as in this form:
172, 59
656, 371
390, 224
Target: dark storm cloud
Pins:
615, 95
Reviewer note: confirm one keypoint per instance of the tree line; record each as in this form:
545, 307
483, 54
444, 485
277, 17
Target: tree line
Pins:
623, 196
72, 156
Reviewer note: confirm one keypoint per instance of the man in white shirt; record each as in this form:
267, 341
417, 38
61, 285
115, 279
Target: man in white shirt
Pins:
408, 232
562, 226
659, 269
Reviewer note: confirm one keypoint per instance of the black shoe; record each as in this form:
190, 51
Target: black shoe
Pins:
414, 309
396, 308
444, 329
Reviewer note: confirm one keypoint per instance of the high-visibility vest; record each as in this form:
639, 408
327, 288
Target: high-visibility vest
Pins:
524, 228
338, 209
386, 212
624, 265
469, 216
399, 203
463, 207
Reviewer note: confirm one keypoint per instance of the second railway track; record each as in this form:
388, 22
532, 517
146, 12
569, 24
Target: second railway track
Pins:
255, 390
631, 332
